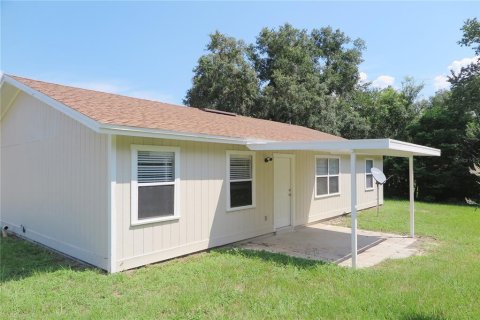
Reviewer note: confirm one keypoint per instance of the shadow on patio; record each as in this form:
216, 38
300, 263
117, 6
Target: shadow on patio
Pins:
333, 244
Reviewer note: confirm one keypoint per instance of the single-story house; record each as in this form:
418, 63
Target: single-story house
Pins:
120, 182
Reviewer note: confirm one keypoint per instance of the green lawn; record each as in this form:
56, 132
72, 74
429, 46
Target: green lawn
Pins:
442, 284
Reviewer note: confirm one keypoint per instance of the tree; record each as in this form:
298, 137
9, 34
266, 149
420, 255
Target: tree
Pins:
305, 76
471, 35
288, 75
224, 79
451, 123
339, 58
292, 92
383, 113
465, 85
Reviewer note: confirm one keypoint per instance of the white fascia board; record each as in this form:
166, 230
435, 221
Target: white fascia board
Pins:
294, 145
384, 146
415, 149
340, 145
173, 135
80, 117
123, 130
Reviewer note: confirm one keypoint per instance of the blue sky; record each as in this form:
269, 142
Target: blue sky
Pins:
148, 49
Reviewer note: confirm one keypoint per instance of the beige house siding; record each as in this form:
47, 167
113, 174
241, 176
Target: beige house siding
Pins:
310, 209
204, 221
53, 180
56, 179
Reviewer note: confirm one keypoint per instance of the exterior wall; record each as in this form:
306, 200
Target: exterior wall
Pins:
310, 209
54, 180
204, 221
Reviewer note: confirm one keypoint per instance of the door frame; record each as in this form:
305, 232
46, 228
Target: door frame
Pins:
292, 187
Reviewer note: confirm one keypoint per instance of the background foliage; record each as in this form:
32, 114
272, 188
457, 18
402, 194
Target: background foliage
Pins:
312, 79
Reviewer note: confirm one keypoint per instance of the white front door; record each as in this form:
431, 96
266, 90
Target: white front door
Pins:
283, 191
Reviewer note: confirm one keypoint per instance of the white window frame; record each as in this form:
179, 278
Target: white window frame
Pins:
369, 174
229, 153
134, 184
328, 175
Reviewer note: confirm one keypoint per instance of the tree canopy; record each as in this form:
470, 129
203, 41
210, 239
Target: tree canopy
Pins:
224, 79
288, 75
311, 78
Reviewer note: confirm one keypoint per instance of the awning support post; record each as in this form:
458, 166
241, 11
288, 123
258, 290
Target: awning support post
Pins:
412, 204
353, 200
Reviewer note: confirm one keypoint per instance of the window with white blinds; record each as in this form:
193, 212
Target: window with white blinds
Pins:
156, 166
327, 176
240, 167
240, 175
154, 183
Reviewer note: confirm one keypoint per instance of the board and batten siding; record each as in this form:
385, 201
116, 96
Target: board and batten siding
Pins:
54, 180
204, 220
310, 208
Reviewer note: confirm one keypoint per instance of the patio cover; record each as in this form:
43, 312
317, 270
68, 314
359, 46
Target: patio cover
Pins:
384, 147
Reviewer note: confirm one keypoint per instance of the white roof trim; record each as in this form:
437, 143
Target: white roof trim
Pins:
122, 130
176, 135
367, 146
80, 117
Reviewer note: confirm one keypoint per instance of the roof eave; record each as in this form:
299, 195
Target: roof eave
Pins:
80, 117
118, 129
173, 135
386, 147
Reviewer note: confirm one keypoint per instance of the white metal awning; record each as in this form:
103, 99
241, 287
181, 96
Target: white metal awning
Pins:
385, 147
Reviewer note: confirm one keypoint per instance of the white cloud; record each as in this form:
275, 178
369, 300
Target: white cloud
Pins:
441, 82
363, 78
383, 81
457, 65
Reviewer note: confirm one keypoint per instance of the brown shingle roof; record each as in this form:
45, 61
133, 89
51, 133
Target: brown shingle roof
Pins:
113, 109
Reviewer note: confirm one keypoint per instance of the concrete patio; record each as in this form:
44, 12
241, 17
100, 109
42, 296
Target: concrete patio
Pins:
333, 244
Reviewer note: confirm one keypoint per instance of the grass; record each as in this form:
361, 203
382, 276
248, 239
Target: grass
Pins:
230, 283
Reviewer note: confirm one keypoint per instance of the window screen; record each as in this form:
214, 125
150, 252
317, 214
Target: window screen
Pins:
156, 184
155, 201
241, 181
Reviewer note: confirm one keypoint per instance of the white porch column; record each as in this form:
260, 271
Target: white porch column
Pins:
412, 204
353, 203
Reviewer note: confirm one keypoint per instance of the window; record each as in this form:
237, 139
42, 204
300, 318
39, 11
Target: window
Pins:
241, 180
368, 174
154, 185
327, 176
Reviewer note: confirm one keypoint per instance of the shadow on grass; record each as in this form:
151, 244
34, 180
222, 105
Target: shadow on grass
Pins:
20, 259
276, 258
422, 317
